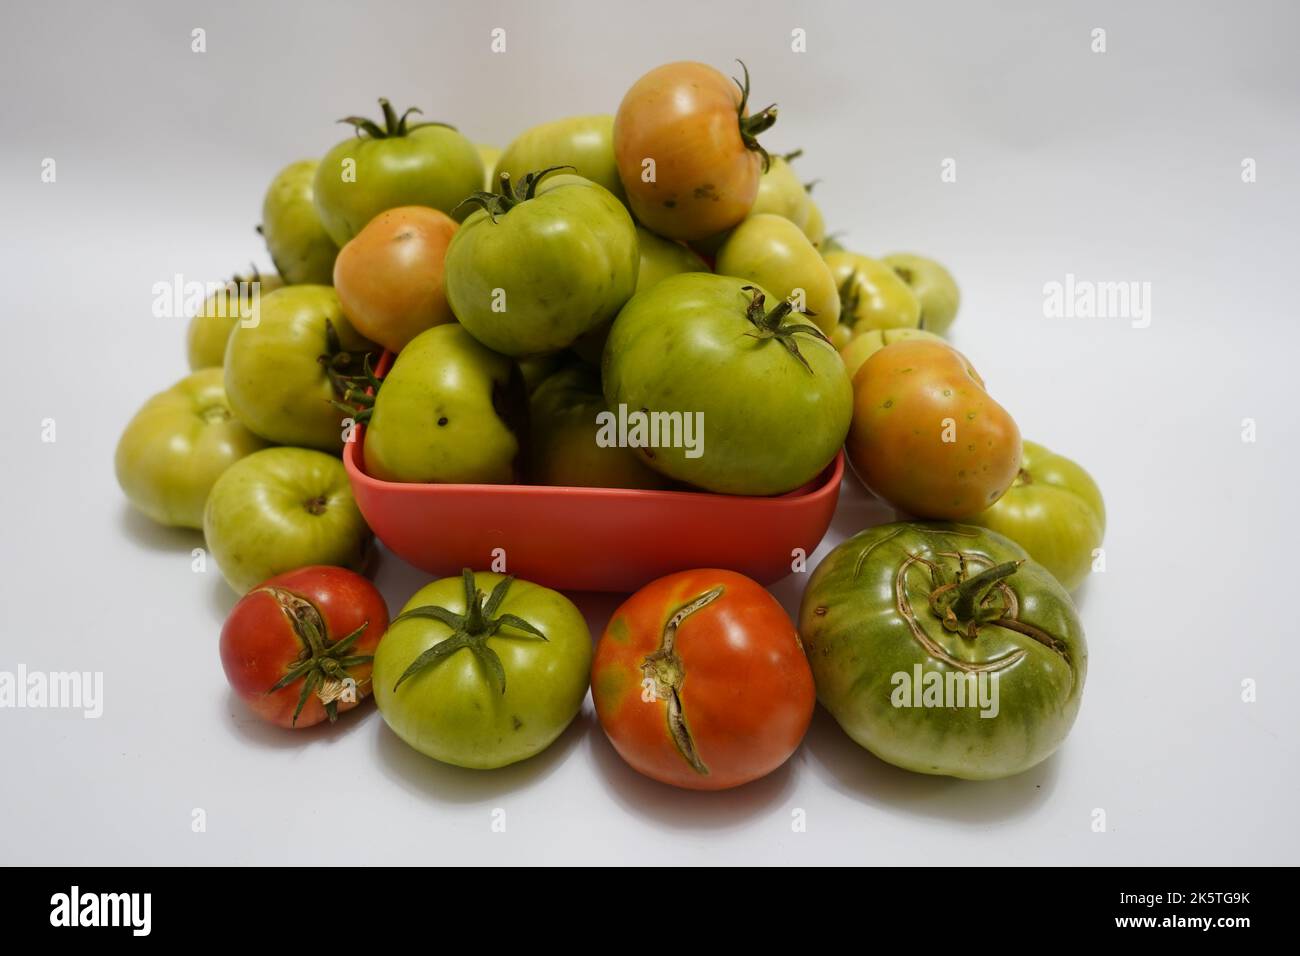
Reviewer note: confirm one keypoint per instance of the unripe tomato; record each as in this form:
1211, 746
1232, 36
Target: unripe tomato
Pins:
687, 150
389, 278
926, 437
770, 251
700, 681
585, 143
301, 249
1054, 510
933, 286
235, 302
177, 446
872, 295
857, 350
297, 649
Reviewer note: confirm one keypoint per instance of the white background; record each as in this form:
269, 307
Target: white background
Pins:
1117, 166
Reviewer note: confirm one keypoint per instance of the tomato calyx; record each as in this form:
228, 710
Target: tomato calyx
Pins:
965, 602
322, 666
394, 125
665, 671
773, 325
469, 630
752, 126
351, 375
507, 197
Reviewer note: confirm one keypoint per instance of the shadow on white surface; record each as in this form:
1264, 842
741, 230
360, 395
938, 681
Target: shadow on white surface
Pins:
441, 783
251, 729
686, 809
149, 534
830, 754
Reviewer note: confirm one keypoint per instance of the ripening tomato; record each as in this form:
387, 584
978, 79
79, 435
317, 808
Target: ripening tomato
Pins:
926, 436
390, 276
298, 648
700, 681
687, 150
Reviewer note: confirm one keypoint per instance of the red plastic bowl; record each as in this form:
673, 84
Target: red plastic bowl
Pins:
591, 539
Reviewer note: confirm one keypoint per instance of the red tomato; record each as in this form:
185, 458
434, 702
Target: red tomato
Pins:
700, 681
298, 647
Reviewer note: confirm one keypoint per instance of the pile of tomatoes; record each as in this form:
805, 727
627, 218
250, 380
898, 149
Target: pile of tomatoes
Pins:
660, 261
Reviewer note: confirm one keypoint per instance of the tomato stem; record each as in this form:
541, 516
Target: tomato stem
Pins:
773, 325
752, 126
394, 125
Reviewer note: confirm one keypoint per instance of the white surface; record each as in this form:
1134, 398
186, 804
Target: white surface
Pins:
1116, 166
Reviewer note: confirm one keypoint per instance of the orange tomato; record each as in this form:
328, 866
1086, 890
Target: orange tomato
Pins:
926, 436
700, 681
389, 277
687, 152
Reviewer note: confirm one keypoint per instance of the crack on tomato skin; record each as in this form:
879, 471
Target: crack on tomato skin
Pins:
666, 671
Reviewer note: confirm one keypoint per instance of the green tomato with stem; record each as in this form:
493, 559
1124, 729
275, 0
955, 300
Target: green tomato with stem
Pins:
483, 670
872, 296
286, 370
944, 649
541, 263
748, 400
235, 302
398, 164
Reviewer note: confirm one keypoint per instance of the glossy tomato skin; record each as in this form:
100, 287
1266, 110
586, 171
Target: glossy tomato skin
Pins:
455, 711
585, 143
770, 424
420, 165
209, 329
449, 410
1054, 510
390, 278
745, 689
260, 644
869, 627
926, 436
176, 447
275, 380
684, 117
280, 509
547, 270
772, 252
300, 247
873, 296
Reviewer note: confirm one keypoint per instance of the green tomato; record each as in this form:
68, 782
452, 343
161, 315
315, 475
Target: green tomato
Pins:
301, 249
934, 286
534, 269
660, 258
815, 226
177, 446
872, 296
401, 164
449, 410
584, 142
489, 155
281, 509
564, 439
855, 352
944, 649
483, 670
210, 328
764, 393
282, 373
1053, 510
773, 253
